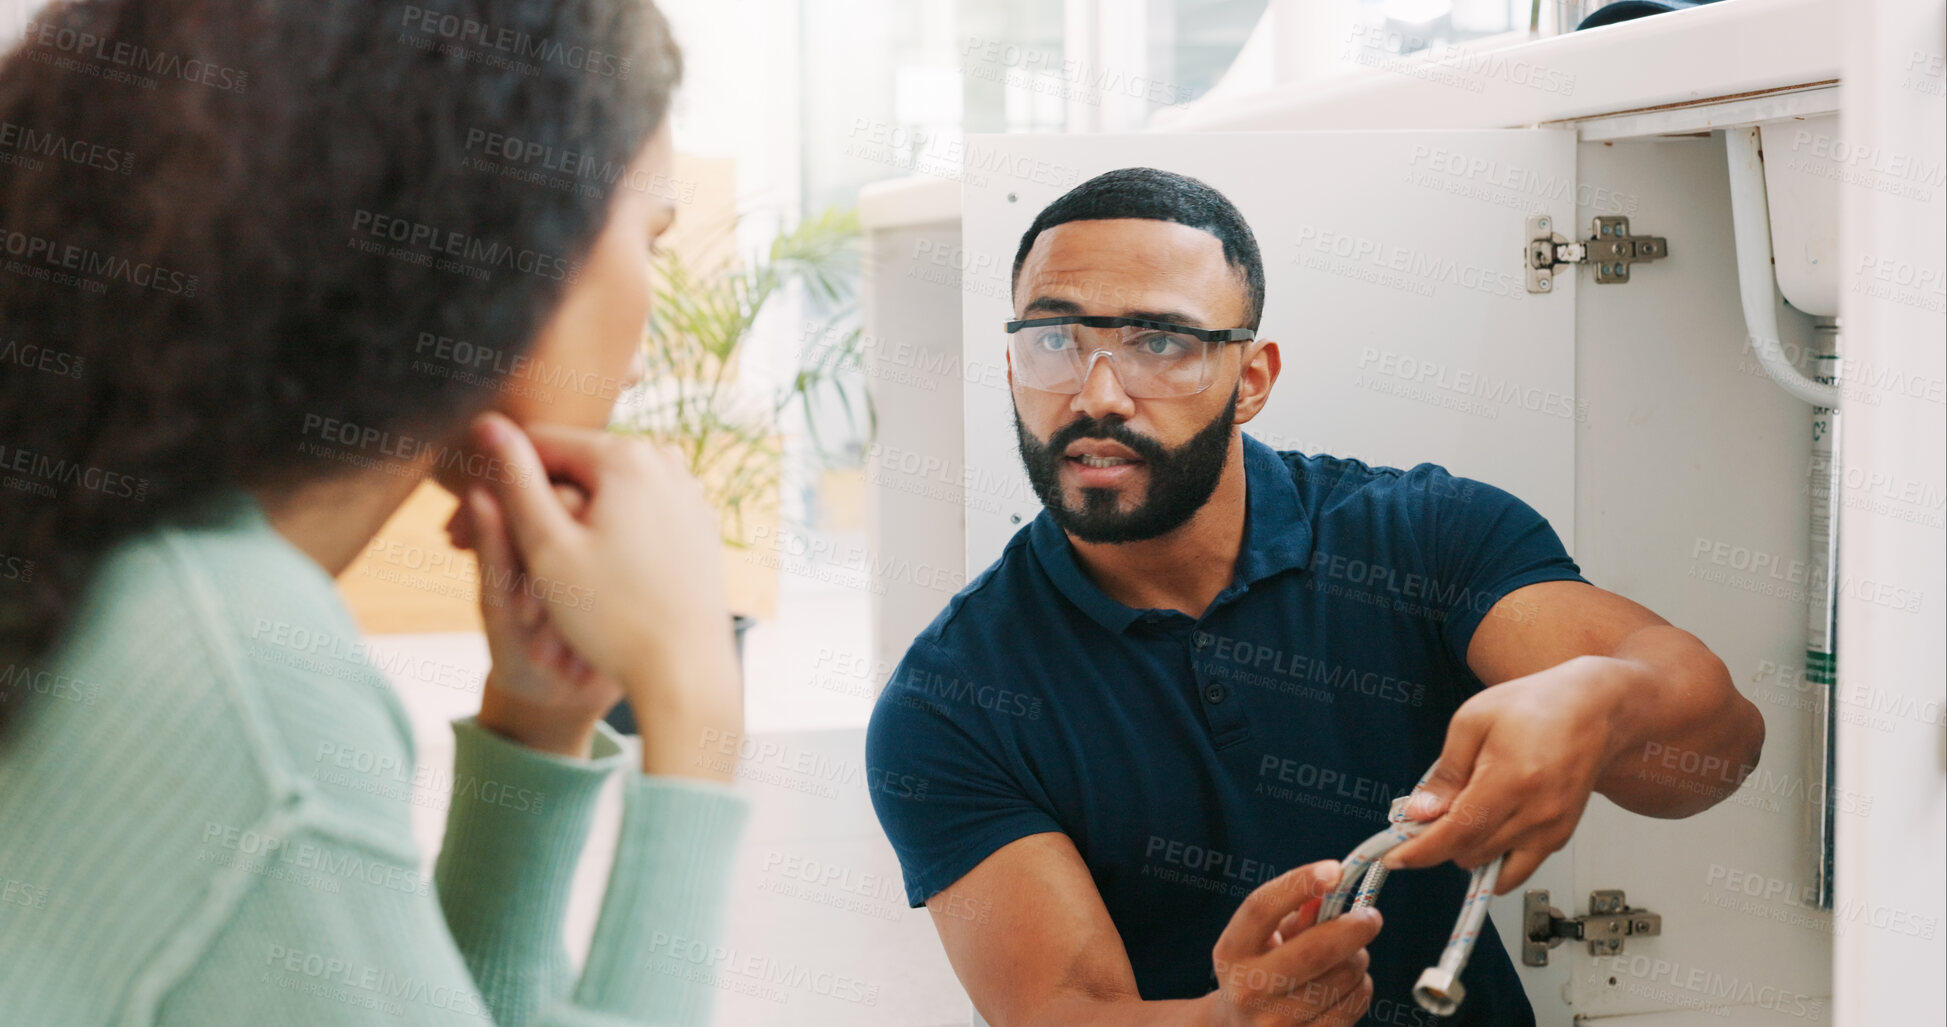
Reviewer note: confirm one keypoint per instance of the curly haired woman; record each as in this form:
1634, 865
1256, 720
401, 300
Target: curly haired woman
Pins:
235, 351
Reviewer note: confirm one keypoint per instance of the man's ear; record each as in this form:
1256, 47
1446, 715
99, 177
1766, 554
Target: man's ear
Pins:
1254, 381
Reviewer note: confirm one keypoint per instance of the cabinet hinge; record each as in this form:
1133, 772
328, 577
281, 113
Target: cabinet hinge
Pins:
1608, 921
1610, 249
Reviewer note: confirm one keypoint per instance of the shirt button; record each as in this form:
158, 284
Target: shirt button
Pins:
1203, 639
1215, 694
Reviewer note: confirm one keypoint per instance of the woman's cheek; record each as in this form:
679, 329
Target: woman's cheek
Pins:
581, 363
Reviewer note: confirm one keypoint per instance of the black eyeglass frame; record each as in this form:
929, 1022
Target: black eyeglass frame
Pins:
1103, 321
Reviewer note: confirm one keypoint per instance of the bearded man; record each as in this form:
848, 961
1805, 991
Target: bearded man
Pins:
1207, 668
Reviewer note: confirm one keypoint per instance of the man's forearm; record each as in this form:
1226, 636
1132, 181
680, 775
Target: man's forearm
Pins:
1682, 738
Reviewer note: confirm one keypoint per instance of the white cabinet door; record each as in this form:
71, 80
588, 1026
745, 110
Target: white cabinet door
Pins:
1690, 463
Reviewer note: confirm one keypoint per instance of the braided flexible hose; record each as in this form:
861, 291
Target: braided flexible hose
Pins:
1439, 990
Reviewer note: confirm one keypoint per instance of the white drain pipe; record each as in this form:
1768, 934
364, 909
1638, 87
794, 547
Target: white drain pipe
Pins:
1757, 287
1751, 228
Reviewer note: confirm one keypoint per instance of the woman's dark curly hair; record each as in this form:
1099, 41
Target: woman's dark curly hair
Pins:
223, 222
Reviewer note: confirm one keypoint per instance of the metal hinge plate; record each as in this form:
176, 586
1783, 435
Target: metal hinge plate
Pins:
1610, 249
1608, 921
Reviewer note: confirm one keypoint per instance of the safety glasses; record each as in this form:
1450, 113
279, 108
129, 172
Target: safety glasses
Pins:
1152, 359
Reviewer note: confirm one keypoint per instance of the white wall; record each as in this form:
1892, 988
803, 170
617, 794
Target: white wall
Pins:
1893, 663
14, 16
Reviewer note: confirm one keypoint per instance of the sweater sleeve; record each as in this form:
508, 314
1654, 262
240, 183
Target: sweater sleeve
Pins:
514, 833
505, 870
339, 929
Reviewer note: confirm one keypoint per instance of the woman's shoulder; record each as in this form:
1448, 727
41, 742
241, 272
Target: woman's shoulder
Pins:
212, 653
181, 746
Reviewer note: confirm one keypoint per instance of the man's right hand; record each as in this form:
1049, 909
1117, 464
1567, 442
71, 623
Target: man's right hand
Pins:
1029, 937
1275, 967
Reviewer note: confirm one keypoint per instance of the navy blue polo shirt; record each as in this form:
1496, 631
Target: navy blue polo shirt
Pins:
1192, 759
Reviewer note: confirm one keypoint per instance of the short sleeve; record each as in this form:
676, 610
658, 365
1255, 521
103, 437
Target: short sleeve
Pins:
946, 783
1486, 543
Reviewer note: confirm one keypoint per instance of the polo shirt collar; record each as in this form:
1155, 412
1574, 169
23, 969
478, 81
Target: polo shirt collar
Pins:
1277, 537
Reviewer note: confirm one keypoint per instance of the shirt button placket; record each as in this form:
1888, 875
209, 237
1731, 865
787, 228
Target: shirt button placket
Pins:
1224, 718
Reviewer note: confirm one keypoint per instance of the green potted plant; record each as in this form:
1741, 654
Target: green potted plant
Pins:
693, 398
701, 319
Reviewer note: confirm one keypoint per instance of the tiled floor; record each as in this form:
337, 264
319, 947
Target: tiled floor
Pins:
817, 922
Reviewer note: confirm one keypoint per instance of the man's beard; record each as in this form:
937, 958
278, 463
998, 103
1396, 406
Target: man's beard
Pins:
1181, 480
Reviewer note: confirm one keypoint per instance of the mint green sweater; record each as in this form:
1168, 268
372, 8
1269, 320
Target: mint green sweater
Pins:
204, 820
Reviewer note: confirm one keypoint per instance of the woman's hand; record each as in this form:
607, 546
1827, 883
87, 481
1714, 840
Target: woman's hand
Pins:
631, 582
539, 692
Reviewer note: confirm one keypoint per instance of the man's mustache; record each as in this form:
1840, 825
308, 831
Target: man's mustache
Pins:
1113, 430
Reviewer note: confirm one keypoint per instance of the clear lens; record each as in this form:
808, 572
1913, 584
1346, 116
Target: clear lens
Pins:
1150, 364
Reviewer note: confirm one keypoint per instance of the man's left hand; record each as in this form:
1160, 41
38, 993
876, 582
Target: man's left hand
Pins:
1520, 761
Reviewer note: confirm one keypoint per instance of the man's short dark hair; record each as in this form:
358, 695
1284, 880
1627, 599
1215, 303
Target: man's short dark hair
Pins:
1156, 195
